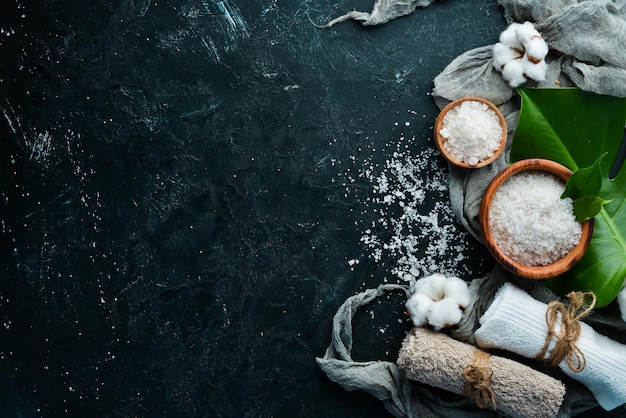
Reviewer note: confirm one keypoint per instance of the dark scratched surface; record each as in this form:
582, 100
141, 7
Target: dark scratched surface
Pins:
179, 214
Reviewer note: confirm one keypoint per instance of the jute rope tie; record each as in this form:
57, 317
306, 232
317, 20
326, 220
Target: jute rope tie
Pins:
477, 376
565, 339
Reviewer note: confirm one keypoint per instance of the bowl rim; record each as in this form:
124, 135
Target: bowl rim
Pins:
553, 269
439, 140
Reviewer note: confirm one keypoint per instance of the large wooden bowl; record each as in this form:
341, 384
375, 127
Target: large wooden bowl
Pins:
532, 272
440, 141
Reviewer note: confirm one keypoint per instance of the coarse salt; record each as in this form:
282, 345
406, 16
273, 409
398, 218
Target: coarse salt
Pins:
472, 132
530, 222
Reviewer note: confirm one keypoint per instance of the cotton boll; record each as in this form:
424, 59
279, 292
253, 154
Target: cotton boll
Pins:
444, 314
431, 286
621, 301
525, 32
513, 72
456, 289
502, 54
509, 37
536, 49
418, 306
536, 71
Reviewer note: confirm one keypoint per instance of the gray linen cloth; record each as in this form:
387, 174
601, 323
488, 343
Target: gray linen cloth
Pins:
587, 40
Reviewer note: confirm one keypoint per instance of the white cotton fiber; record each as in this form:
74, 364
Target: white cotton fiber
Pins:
444, 314
438, 301
536, 49
513, 72
536, 71
431, 286
527, 62
509, 36
502, 54
418, 307
525, 32
457, 289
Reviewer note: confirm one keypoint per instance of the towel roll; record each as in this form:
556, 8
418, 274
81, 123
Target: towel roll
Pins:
437, 360
516, 322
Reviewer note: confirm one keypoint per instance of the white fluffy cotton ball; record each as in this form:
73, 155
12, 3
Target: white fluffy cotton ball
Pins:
509, 36
502, 54
513, 72
520, 54
525, 31
457, 289
418, 307
536, 49
444, 314
536, 71
431, 286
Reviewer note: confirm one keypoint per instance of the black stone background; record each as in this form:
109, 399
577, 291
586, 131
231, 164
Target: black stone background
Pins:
175, 226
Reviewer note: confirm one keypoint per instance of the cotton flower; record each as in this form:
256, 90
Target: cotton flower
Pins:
418, 306
456, 289
514, 73
444, 314
438, 301
509, 37
520, 54
503, 53
431, 286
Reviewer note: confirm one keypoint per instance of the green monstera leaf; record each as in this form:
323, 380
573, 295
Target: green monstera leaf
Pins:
575, 128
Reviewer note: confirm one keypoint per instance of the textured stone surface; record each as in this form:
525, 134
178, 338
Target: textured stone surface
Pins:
183, 199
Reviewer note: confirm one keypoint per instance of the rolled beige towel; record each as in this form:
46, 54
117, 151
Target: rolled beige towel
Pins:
437, 360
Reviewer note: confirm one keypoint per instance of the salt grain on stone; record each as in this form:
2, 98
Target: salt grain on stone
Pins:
530, 222
471, 131
420, 237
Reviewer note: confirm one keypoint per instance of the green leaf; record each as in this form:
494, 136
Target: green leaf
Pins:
575, 128
587, 207
585, 182
583, 187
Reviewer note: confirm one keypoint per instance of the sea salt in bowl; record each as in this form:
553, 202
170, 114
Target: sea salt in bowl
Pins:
470, 132
525, 224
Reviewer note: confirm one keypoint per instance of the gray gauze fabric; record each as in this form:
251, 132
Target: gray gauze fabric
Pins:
382, 12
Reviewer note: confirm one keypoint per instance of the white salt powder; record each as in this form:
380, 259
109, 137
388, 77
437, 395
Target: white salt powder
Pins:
471, 131
416, 227
530, 222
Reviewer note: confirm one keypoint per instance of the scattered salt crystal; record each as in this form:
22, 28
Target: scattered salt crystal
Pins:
471, 131
416, 225
530, 222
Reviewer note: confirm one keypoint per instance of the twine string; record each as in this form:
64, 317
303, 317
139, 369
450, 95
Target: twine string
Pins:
477, 376
565, 339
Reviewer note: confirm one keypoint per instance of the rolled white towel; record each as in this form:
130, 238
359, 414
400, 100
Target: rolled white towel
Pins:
516, 322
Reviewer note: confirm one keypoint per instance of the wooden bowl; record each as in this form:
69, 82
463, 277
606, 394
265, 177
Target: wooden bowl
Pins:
532, 272
440, 141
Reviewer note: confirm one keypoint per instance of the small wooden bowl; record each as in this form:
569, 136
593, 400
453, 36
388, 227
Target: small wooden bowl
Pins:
440, 141
532, 272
